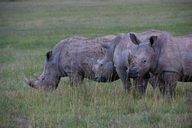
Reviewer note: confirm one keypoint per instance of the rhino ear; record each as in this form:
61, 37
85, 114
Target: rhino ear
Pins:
152, 40
130, 58
134, 39
49, 55
104, 45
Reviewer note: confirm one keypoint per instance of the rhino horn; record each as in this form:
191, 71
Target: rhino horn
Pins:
104, 45
130, 58
37, 76
29, 82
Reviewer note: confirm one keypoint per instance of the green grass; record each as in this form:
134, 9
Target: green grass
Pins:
30, 28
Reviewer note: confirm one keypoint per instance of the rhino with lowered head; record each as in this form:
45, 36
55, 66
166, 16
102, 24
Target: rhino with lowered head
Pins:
167, 57
115, 60
72, 57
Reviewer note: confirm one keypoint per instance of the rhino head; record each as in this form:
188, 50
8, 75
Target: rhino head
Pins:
142, 61
104, 68
50, 77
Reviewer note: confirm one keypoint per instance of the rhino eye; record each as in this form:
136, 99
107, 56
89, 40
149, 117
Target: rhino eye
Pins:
43, 79
144, 60
101, 64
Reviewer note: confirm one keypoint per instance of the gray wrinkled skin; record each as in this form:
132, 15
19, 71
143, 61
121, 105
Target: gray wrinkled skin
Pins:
72, 57
167, 57
116, 61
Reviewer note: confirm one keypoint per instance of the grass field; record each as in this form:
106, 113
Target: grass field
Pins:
30, 28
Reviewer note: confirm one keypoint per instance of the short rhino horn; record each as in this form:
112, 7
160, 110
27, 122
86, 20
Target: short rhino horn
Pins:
130, 58
104, 45
37, 76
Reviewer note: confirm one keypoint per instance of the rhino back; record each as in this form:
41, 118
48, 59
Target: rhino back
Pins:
184, 45
75, 52
176, 55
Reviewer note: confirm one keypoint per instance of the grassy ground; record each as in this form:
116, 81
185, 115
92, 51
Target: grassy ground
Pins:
30, 28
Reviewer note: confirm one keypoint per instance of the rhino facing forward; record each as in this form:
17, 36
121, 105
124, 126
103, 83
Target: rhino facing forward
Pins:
72, 57
116, 60
167, 57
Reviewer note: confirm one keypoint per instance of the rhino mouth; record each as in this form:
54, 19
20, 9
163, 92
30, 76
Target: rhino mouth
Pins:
133, 74
101, 78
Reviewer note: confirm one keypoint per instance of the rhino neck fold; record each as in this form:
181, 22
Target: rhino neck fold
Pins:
60, 70
109, 55
155, 68
110, 51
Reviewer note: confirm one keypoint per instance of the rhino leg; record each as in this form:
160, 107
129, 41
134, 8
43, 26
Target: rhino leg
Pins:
167, 83
161, 85
153, 81
170, 79
75, 78
145, 83
125, 80
141, 84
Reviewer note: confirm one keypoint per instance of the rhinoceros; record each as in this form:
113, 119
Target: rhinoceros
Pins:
72, 57
116, 60
167, 57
